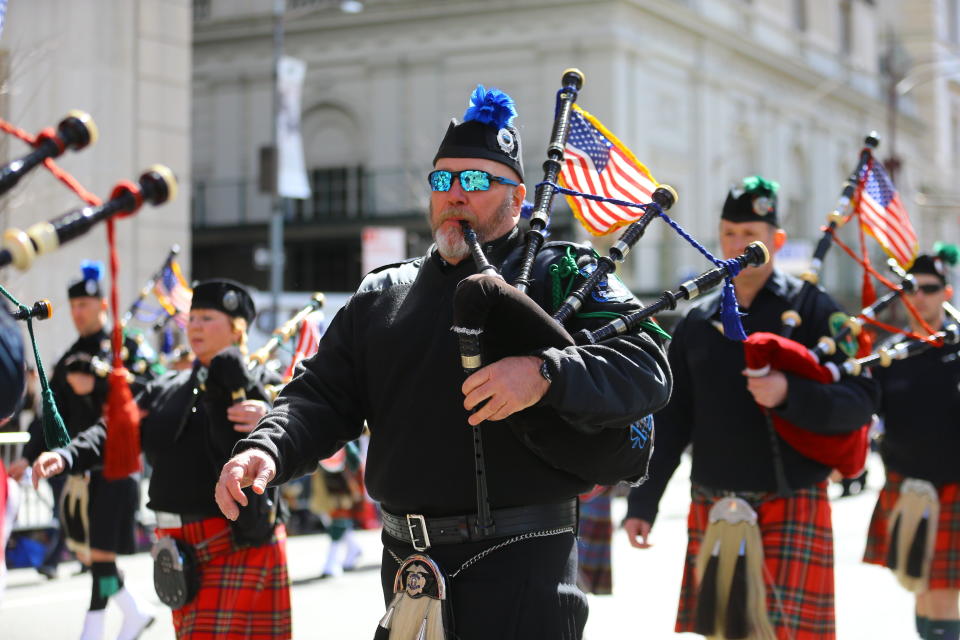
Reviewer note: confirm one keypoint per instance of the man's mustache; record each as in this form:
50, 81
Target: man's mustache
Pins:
456, 214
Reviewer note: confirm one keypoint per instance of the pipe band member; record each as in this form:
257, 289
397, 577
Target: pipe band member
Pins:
390, 358
918, 511
191, 421
766, 566
97, 515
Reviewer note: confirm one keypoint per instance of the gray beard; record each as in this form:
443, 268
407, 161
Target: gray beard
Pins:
451, 244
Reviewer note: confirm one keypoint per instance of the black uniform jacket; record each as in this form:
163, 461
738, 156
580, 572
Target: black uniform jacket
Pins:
80, 412
12, 379
712, 408
185, 440
921, 414
389, 358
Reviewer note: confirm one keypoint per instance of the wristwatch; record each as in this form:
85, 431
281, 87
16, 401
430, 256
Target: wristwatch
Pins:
545, 371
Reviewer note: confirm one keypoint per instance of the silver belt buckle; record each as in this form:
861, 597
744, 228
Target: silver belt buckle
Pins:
412, 520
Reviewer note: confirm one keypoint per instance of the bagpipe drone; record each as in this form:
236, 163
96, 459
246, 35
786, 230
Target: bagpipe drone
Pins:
302, 324
156, 186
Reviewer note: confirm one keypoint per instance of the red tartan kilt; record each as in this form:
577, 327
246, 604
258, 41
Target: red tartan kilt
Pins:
244, 591
798, 558
945, 568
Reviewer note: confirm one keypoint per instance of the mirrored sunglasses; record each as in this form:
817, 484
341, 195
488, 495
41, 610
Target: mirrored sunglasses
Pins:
930, 289
470, 180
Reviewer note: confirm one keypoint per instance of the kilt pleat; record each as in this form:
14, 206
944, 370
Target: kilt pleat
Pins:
945, 566
798, 561
594, 540
244, 591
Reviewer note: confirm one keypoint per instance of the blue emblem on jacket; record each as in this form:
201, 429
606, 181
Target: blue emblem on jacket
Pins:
640, 432
609, 289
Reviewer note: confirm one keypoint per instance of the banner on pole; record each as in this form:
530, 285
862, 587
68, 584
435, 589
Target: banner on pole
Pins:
291, 170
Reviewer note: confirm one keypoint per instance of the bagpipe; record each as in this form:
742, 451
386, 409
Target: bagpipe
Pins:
309, 337
763, 351
884, 356
76, 131
840, 214
82, 362
41, 310
494, 319
844, 330
20, 248
156, 185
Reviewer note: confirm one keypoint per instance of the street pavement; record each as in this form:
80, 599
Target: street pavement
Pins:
870, 604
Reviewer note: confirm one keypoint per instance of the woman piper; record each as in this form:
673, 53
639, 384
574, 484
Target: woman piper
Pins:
234, 581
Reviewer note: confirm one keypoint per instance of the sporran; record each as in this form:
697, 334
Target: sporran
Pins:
420, 609
176, 574
731, 601
913, 534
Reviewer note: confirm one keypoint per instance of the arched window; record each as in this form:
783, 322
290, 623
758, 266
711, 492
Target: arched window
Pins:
333, 154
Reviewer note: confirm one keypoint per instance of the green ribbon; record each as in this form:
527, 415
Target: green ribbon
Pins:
567, 269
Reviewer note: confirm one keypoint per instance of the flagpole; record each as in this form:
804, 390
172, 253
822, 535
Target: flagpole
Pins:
277, 257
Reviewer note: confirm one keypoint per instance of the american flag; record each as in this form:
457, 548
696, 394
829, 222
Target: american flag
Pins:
884, 217
307, 342
596, 162
174, 294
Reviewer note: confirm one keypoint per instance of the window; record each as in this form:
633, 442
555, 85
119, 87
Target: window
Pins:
953, 18
800, 15
337, 193
846, 27
201, 10
955, 135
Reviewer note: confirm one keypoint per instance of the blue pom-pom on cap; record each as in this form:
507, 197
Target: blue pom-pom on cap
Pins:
92, 270
491, 106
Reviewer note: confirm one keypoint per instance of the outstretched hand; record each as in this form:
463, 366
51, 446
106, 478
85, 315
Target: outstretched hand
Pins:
509, 385
47, 464
252, 468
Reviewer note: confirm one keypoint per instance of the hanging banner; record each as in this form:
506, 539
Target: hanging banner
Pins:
291, 170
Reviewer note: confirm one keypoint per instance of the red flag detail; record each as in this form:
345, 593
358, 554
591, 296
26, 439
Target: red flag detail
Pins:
307, 344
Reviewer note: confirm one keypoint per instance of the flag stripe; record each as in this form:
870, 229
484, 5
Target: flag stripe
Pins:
884, 217
595, 162
600, 214
886, 222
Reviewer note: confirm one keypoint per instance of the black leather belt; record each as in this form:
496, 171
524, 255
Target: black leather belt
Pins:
425, 531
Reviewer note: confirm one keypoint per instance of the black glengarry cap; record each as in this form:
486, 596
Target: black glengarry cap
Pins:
755, 200
224, 295
487, 131
89, 285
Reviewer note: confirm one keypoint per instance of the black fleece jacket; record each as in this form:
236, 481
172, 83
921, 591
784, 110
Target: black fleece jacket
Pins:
389, 358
